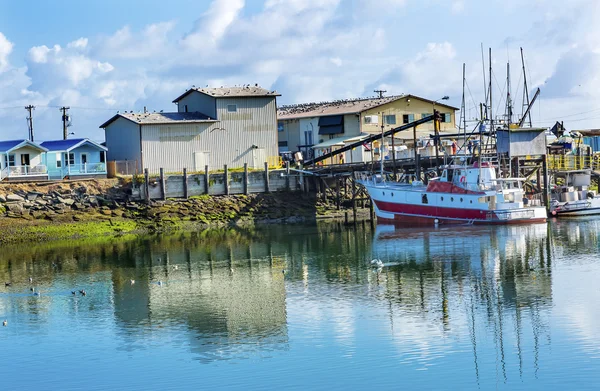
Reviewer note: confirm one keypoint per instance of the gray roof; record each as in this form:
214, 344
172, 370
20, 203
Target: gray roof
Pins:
160, 118
231, 92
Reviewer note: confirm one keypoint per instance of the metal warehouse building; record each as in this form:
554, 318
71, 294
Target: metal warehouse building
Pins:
213, 126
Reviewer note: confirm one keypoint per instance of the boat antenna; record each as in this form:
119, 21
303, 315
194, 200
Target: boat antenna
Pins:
485, 92
463, 114
526, 102
381, 147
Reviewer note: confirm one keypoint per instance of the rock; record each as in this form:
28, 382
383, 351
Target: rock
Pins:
106, 212
41, 202
15, 207
78, 206
66, 201
118, 213
33, 195
14, 198
2, 198
37, 215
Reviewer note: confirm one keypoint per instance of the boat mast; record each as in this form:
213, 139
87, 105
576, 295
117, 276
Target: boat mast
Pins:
508, 116
381, 148
526, 102
463, 118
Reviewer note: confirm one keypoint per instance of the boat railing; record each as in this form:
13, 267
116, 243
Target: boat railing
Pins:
510, 214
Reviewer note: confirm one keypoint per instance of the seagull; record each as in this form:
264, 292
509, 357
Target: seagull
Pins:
7, 283
82, 291
160, 283
32, 289
175, 267
30, 279
36, 293
132, 282
5, 323
73, 292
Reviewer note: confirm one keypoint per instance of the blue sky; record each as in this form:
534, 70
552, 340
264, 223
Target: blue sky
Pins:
100, 57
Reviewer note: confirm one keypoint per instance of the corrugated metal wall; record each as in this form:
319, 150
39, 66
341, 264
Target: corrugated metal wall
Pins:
123, 141
593, 142
197, 101
230, 141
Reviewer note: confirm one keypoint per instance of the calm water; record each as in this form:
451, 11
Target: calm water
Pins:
300, 308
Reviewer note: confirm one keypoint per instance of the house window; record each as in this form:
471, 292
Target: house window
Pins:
390, 119
102, 157
232, 108
371, 119
308, 137
9, 161
70, 159
186, 108
58, 161
447, 117
425, 115
408, 118
283, 144
25, 159
280, 126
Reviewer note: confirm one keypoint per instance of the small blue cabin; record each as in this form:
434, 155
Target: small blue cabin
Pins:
22, 159
75, 158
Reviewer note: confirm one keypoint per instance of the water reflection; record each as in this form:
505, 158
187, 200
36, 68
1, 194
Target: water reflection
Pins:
479, 300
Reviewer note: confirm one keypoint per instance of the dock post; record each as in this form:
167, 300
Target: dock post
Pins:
354, 195
226, 179
287, 176
337, 193
163, 190
245, 178
372, 213
546, 184
206, 179
267, 189
146, 184
185, 184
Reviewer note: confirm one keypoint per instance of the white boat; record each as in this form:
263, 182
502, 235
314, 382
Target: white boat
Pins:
463, 194
573, 197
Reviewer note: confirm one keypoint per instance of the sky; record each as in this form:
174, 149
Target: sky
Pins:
100, 57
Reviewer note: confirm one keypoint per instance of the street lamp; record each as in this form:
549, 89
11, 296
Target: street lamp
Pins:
436, 130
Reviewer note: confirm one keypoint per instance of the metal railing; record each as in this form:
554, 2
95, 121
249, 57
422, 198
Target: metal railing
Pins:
572, 162
275, 162
86, 168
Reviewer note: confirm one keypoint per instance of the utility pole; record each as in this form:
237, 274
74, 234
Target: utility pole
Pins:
30, 108
65, 119
380, 92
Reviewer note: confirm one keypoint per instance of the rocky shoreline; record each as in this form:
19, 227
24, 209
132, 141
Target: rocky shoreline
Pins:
79, 210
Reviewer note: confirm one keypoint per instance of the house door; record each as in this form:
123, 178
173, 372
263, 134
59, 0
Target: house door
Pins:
201, 159
25, 159
259, 157
84, 158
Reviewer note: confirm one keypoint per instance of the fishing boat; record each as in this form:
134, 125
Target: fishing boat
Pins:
463, 194
573, 197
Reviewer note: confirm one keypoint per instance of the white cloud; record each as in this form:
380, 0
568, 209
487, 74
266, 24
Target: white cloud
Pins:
153, 41
214, 23
457, 6
5, 49
81, 43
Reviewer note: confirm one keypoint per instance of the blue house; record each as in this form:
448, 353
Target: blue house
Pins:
22, 159
75, 158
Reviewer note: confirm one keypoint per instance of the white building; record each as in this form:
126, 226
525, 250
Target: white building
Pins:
213, 126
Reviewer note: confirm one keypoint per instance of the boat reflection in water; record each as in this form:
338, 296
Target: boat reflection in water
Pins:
491, 283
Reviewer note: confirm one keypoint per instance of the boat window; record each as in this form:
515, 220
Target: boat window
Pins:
461, 200
452, 199
383, 193
442, 198
471, 201
450, 173
392, 194
424, 199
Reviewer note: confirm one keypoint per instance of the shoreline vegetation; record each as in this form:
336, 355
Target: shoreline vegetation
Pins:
101, 209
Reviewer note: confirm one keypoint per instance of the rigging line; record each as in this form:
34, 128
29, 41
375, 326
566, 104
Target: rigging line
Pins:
11, 108
471, 95
503, 98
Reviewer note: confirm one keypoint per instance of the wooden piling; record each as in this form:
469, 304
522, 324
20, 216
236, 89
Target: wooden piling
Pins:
245, 178
226, 179
267, 188
147, 184
287, 176
546, 184
206, 179
337, 194
354, 195
163, 187
185, 184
